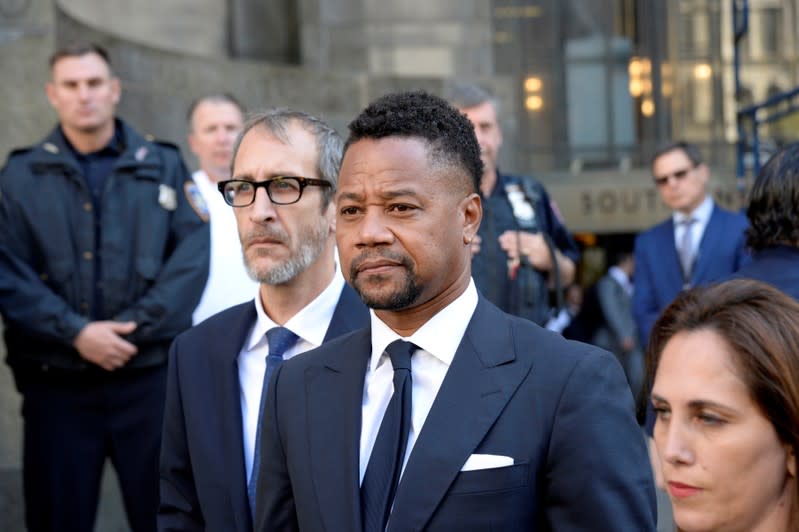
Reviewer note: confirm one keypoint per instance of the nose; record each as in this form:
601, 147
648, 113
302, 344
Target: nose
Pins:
373, 230
674, 442
262, 209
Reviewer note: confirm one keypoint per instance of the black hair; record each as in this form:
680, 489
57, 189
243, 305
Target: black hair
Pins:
690, 150
78, 49
449, 134
773, 210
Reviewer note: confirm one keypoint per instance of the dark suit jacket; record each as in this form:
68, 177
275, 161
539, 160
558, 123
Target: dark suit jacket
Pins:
658, 275
203, 478
617, 321
777, 266
561, 409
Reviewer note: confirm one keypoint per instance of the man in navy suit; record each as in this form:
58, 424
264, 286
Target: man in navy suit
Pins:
446, 413
773, 215
218, 369
700, 243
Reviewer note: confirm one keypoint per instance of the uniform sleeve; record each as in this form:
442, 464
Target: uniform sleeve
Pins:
25, 298
165, 309
178, 507
561, 236
595, 436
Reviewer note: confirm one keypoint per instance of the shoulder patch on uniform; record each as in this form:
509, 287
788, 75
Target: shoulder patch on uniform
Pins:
167, 198
196, 200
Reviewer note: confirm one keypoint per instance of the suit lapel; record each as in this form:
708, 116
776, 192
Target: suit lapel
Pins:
482, 378
334, 391
714, 232
670, 269
226, 349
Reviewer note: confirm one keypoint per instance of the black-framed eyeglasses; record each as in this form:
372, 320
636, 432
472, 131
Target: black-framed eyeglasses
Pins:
283, 190
679, 175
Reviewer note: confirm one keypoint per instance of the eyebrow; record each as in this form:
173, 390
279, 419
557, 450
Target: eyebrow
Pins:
697, 404
273, 175
390, 194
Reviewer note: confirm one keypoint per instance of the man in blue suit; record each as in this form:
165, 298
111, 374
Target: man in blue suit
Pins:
700, 243
446, 413
219, 369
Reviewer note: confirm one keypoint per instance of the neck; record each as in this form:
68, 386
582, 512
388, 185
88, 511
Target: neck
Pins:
488, 182
282, 301
89, 141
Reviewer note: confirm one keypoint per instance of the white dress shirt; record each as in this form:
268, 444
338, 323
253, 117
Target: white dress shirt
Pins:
429, 366
310, 324
228, 283
620, 276
702, 216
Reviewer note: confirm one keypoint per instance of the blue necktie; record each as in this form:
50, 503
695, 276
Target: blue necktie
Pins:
388, 454
280, 340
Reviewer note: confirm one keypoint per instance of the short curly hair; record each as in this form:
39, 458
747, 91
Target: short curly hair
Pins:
449, 134
773, 210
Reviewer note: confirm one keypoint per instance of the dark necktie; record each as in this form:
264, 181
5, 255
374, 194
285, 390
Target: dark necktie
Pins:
685, 249
280, 340
385, 463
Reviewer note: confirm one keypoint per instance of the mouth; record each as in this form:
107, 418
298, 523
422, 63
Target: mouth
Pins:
678, 490
376, 266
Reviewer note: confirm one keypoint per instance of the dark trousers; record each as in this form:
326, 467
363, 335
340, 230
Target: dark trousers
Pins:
73, 422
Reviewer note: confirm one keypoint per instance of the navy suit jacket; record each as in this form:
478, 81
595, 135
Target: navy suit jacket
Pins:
561, 409
777, 266
203, 478
658, 275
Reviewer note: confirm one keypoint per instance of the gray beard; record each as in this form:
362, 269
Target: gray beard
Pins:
312, 243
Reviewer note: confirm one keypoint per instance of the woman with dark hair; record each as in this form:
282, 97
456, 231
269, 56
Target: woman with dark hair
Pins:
724, 366
773, 213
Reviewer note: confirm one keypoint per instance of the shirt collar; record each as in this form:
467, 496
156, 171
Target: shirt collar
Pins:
454, 318
115, 146
701, 214
621, 277
304, 323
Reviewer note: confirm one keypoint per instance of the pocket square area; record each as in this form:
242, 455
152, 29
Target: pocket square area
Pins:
486, 461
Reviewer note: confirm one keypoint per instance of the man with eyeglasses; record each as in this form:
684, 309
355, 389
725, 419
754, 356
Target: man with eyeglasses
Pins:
283, 179
700, 243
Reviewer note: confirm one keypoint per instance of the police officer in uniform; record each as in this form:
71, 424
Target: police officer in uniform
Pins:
105, 246
523, 249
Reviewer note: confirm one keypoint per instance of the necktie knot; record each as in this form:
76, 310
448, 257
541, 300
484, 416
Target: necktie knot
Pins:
280, 340
400, 351
687, 222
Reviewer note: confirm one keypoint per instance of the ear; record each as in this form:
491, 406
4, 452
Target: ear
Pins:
330, 214
116, 89
192, 140
472, 209
790, 460
703, 172
50, 90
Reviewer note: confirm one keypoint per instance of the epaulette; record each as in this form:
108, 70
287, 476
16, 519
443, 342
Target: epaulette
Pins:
162, 143
20, 151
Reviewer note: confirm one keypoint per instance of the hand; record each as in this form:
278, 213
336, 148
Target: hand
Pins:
476, 244
101, 343
531, 245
